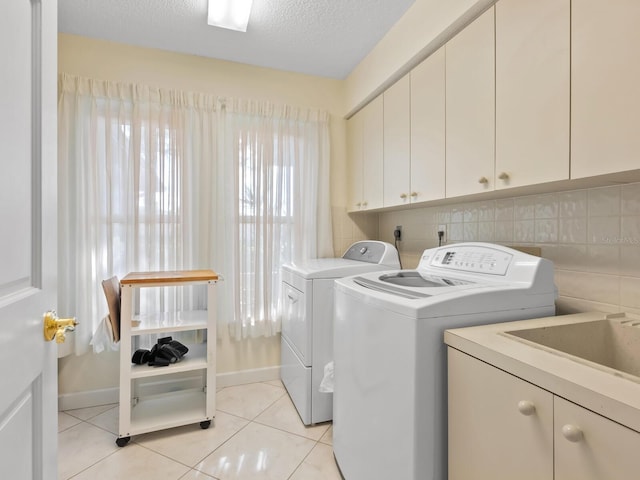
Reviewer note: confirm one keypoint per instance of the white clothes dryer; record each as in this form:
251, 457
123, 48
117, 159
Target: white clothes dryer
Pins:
390, 400
307, 321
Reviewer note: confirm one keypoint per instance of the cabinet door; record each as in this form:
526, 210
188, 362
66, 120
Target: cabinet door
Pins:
372, 170
397, 143
355, 146
500, 427
532, 92
470, 97
427, 129
604, 86
597, 448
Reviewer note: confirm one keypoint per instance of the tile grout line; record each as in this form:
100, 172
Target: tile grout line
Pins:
219, 446
96, 462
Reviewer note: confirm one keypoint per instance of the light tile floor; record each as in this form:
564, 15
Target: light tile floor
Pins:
257, 434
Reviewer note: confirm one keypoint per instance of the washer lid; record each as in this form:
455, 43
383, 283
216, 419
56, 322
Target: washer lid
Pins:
411, 284
416, 279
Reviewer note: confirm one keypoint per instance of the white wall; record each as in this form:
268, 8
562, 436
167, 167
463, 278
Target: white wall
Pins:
112, 61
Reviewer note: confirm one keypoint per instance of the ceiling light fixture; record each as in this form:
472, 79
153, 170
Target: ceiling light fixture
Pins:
231, 14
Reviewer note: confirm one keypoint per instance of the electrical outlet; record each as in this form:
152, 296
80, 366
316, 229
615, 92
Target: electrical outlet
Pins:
397, 233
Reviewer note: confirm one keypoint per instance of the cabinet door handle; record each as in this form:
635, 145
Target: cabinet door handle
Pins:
526, 407
414, 194
364, 204
403, 196
358, 204
293, 298
483, 180
572, 433
503, 176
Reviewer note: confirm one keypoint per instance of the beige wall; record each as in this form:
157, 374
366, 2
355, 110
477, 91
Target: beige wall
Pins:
112, 61
591, 235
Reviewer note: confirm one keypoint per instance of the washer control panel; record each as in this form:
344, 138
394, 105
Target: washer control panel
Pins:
469, 258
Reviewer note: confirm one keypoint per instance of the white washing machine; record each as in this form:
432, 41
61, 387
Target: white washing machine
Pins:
307, 321
390, 405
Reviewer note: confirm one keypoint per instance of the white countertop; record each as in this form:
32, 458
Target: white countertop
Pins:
599, 389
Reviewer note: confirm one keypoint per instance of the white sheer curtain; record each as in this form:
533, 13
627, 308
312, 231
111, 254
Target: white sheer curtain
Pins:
130, 162
152, 179
277, 205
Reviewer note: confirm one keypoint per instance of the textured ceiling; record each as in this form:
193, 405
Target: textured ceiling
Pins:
318, 37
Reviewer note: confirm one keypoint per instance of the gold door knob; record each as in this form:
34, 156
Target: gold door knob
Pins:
403, 196
503, 176
483, 180
414, 194
55, 327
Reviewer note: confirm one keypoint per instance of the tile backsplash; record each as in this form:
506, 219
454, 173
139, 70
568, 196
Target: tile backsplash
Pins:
591, 235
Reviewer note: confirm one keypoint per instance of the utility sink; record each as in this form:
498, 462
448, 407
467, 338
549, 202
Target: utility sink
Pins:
612, 343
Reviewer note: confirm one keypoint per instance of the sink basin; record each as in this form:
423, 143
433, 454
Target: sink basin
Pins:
611, 343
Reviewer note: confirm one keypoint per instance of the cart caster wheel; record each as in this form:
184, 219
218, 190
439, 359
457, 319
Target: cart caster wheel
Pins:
204, 425
122, 441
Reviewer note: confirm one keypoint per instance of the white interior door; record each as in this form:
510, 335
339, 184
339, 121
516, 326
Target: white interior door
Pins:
28, 365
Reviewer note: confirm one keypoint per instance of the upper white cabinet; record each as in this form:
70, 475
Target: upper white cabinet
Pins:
605, 102
397, 174
355, 129
365, 148
470, 108
414, 135
529, 93
372, 154
428, 129
532, 92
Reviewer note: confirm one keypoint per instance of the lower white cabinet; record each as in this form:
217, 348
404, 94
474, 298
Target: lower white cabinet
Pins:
589, 446
502, 427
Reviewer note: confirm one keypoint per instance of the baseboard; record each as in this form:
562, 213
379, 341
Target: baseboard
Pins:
88, 398
241, 377
106, 396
